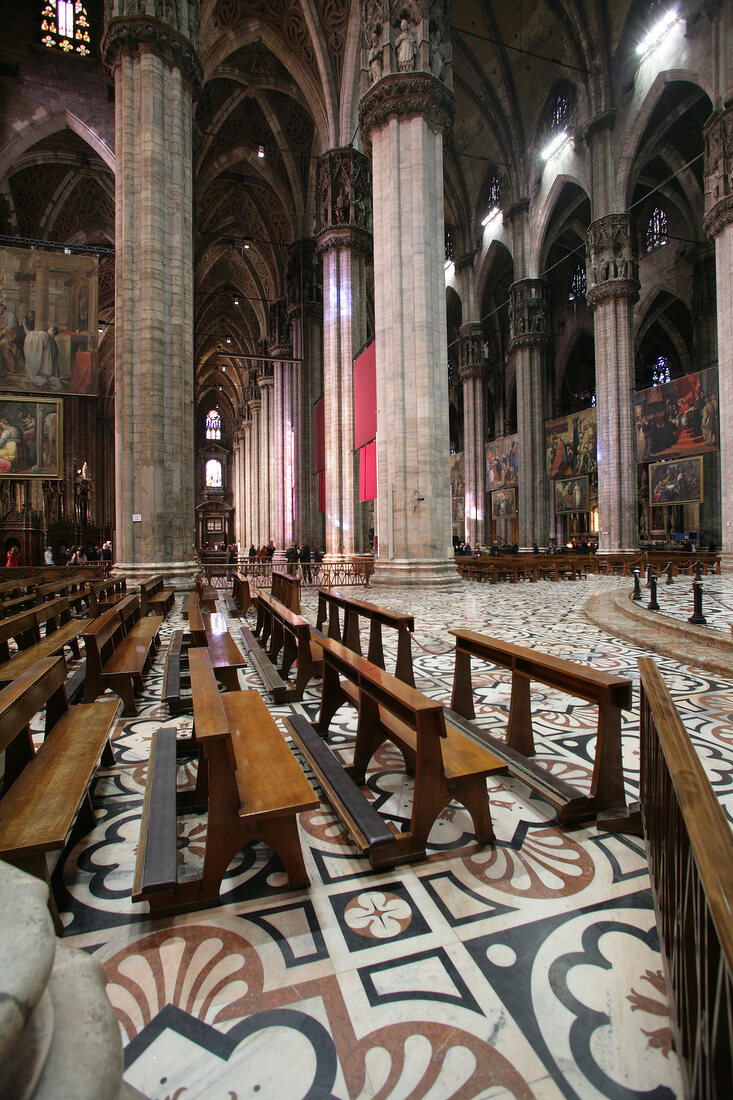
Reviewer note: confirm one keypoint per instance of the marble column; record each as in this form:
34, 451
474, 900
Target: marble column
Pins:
254, 403
472, 373
403, 117
613, 288
265, 479
305, 312
156, 73
343, 242
281, 476
718, 224
246, 499
529, 345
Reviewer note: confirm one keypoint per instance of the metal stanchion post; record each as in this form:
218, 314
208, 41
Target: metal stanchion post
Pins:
637, 586
697, 616
652, 605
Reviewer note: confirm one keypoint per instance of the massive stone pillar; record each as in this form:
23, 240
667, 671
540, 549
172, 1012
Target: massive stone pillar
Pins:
472, 373
528, 346
718, 223
246, 498
254, 403
343, 241
265, 479
156, 71
281, 478
613, 287
403, 117
305, 312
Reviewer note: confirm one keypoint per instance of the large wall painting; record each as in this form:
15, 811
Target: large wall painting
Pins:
679, 417
571, 444
31, 435
502, 463
458, 491
503, 503
677, 482
48, 322
571, 495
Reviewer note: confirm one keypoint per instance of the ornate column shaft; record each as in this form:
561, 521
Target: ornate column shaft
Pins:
403, 117
718, 224
266, 384
281, 474
471, 371
529, 345
156, 72
343, 241
245, 501
305, 311
255, 404
613, 287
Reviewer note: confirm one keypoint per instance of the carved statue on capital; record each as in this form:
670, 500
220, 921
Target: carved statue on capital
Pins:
471, 357
281, 333
405, 36
304, 280
529, 307
718, 172
344, 200
612, 269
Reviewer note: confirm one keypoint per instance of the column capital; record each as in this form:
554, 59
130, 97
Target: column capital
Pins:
718, 134
612, 269
344, 201
173, 38
471, 357
281, 334
404, 96
304, 280
409, 38
529, 306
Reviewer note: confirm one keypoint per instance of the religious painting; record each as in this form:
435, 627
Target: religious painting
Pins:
503, 503
214, 525
571, 495
48, 322
678, 418
677, 482
31, 435
571, 444
502, 463
457, 490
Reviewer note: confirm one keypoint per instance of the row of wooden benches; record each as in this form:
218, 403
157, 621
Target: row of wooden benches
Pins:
83, 594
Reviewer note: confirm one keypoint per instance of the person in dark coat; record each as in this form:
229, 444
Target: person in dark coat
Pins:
305, 560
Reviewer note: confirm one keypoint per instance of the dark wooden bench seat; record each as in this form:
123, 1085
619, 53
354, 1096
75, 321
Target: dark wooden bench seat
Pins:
242, 593
331, 602
290, 633
195, 620
44, 792
155, 598
611, 694
206, 593
61, 631
446, 764
116, 659
251, 784
171, 687
286, 588
224, 653
105, 594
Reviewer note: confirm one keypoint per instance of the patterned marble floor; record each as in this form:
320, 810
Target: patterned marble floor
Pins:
527, 969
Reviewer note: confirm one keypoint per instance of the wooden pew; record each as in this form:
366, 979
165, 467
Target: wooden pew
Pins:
224, 653
105, 594
286, 588
155, 598
207, 594
16, 596
45, 792
195, 620
116, 660
330, 602
292, 634
611, 694
242, 593
251, 783
61, 631
446, 764
171, 687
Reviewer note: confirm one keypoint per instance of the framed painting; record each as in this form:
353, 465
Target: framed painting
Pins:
678, 418
503, 503
571, 445
678, 482
31, 437
571, 495
502, 463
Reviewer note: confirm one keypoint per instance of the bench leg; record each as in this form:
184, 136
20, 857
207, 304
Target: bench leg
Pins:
519, 728
472, 794
331, 699
228, 678
281, 834
123, 687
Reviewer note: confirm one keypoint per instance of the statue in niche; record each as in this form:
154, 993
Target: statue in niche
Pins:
342, 205
406, 48
375, 59
437, 54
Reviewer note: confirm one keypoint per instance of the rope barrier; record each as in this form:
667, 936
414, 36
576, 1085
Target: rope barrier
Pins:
432, 651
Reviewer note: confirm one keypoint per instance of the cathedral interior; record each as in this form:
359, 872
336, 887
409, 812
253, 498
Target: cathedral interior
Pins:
517, 217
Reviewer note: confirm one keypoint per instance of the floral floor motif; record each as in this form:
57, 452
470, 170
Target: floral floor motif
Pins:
525, 969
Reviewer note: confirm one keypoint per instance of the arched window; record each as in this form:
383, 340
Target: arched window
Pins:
559, 118
660, 372
213, 474
656, 230
577, 284
213, 425
65, 26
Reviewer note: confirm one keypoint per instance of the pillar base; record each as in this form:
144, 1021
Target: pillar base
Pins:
416, 571
179, 574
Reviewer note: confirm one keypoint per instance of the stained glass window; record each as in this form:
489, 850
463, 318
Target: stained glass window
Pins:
660, 372
577, 284
213, 425
656, 230
65, 26
213, 474
559, 114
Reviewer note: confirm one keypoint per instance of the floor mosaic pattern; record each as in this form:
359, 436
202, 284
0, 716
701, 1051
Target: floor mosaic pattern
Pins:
529, 968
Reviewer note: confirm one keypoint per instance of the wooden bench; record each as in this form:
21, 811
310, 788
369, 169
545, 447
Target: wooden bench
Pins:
206, 593
17, 596
45, 792
117, 659
446, 764
61, 631
224, 653
292, 634
155, 598
286, 588
105, 594
171, 687
249, 780
196, 621
331, 602
611, 694
242, 593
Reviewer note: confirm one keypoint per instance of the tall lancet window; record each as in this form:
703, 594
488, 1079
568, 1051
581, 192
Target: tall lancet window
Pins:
65, 26
656, 230
213, 474
213, 425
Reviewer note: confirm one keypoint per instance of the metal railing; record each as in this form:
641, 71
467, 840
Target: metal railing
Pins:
690, 853
356, 571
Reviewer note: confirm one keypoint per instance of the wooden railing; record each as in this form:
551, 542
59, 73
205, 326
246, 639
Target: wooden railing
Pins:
534, 567
690, 852
356, 571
